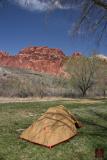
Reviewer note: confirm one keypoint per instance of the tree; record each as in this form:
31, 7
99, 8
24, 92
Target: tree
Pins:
82, 72
93, 14
93, 17
101, 82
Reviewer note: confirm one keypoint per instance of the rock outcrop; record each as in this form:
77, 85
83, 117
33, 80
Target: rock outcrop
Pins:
41, 59
76, 54
101, 57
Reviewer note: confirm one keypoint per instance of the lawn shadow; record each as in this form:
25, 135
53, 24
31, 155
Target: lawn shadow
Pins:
2, 157
100, 115
97, 128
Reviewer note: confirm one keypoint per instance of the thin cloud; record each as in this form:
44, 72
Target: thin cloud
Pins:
41, 5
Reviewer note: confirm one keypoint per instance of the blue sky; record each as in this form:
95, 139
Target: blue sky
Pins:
21, 27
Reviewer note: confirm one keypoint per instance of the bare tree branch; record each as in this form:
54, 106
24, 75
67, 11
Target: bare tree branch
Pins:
102, 32
100, 3
82, 71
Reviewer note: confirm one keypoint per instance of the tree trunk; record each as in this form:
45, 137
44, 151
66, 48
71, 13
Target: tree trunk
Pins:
84, 93
104, 93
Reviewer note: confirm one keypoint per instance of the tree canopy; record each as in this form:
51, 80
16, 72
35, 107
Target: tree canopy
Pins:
83, 72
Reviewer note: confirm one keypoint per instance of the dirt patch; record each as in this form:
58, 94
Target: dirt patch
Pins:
85, 101
37, 99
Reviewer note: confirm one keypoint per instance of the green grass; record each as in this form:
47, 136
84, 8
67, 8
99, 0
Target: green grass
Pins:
16, 116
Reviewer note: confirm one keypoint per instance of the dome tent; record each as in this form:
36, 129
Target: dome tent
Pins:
53, 127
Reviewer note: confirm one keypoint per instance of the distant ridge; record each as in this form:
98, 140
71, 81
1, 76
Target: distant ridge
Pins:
37, 58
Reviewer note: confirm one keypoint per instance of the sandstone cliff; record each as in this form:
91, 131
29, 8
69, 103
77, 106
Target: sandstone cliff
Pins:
41, 59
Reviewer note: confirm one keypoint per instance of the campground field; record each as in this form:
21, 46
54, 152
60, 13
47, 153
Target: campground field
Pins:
16, 116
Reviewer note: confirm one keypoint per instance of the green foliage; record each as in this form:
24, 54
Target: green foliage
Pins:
87, 73
82, 71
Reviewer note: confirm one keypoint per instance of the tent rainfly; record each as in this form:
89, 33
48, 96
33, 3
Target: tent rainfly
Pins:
53, 127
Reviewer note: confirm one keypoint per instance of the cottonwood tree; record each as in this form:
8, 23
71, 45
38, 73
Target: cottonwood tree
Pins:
92, 14
82, 72
102, 77
93, 17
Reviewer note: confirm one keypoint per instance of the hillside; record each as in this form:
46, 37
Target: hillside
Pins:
15, 82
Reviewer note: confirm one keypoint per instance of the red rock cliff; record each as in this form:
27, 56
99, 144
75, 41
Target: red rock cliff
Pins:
41, 59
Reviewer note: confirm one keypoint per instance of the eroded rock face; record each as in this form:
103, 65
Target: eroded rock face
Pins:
76, 54
41, 59
101, 57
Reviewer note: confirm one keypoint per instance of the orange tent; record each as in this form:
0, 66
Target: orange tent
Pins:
53, 127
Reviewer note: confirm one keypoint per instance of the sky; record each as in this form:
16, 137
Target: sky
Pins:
43, 24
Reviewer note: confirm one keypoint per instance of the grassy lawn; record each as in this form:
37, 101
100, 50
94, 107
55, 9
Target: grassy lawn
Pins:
14, 117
